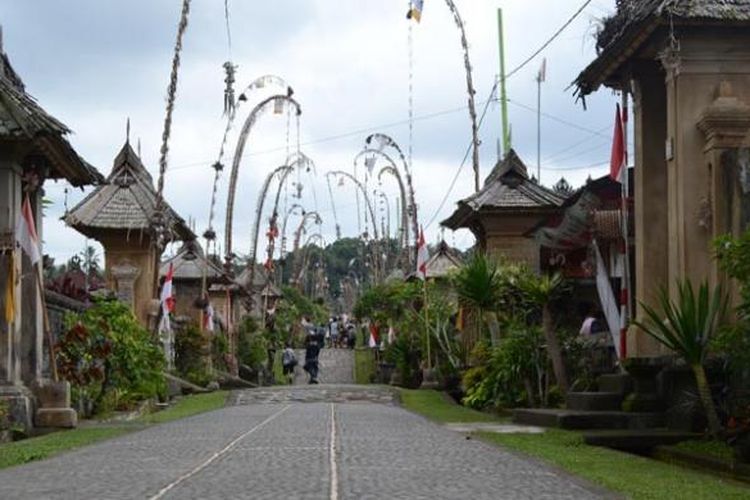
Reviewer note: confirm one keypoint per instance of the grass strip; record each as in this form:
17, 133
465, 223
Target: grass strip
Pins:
436, 406
39, 448
364, 366
715, 449
186, 407
631, 475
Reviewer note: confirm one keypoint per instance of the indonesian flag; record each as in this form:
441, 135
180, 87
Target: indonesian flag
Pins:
373, 336
422, 256
617, 159
208, 318
167, 300
26, 232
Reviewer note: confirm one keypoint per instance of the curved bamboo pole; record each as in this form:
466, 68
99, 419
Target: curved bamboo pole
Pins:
404, 229
283, 172
370, 209
386, 141
239, 149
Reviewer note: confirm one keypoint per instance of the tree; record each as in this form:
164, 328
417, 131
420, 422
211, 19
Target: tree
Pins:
541, 291
478, 287
686, 326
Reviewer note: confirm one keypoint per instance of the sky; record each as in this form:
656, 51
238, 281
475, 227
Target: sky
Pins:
95, 64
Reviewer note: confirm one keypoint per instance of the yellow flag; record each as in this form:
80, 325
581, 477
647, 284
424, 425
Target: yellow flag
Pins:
10, 291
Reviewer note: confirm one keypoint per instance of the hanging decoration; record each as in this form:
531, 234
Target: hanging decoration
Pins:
229, 102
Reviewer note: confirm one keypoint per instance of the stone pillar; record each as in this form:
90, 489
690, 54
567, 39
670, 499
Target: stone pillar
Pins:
125, 274
12, 389
726, 127
650, 212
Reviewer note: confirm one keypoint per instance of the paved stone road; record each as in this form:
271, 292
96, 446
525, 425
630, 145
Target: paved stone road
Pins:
336, 367
280, 448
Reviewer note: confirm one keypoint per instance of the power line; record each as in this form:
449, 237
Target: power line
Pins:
549, 41
492, 92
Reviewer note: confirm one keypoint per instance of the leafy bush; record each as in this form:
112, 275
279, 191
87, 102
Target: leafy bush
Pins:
192, 351
511, 374
110, 360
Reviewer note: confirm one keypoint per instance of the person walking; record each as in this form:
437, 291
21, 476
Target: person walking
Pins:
288, 362
334, 329
313, 344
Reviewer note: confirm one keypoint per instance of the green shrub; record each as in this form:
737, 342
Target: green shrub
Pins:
110, 360
192, 351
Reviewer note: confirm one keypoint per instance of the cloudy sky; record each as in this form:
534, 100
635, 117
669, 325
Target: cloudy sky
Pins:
94, 63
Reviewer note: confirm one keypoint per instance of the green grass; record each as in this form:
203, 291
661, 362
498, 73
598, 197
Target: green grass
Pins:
188, 406
436, 406
633, 476
38, 448
364, 366
714, 449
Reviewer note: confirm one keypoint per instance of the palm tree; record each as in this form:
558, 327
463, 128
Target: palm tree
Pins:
541, 291
478, 287
686, 327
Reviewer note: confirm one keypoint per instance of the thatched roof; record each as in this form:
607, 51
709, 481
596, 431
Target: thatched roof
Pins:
442, 262
190, 263
507, 189
23, 120
635, 20
126, 201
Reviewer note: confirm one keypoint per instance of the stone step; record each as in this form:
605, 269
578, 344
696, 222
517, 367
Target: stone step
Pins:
594, 401
576, 419
637, 440
615, 382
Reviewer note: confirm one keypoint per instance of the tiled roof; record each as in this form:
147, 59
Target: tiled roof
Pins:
636, 19
127, 200
507, 188
22, 119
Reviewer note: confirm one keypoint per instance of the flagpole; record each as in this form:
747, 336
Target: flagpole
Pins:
539, 128
625, 287
45, 322
427, 323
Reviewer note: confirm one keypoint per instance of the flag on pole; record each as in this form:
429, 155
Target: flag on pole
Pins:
26, 232
542, 75
617, 159
415, 10
373, 342
208, 318
167, 301
422, 256
10, 291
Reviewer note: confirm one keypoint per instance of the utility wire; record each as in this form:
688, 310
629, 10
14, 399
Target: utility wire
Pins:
492, 92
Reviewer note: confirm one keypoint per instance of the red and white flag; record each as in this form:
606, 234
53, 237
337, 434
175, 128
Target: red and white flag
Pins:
26, 232
617, 159
422, 256
167, 300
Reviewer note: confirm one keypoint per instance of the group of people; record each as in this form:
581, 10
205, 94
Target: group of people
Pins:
341, 333
337, 333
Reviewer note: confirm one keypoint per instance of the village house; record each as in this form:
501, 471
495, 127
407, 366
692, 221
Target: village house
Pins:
687, 67
508, 206
33, 149
119, 214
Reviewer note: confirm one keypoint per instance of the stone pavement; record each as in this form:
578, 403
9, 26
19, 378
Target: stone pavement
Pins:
355, 449
336, 367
